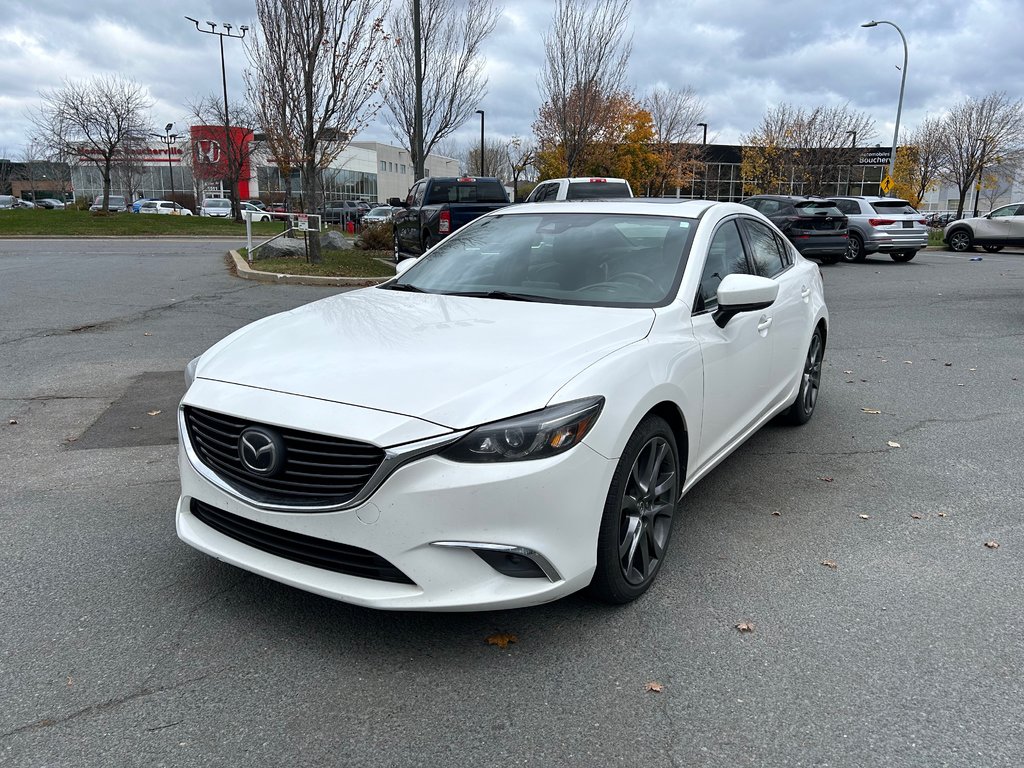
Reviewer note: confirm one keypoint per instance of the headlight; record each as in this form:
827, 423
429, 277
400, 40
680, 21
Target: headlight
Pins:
534, 435
190, 371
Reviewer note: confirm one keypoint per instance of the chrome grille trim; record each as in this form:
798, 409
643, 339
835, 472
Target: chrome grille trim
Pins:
393, 458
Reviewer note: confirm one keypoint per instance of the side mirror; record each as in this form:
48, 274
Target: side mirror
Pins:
396, 202
403, 266
743, 293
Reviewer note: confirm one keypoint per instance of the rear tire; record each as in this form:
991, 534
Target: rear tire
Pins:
638, 514
802, 409
902, 256
854, 249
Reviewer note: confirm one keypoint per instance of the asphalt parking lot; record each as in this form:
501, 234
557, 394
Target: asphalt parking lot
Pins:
884, 631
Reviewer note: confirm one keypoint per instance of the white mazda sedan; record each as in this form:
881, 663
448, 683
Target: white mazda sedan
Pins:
513, 418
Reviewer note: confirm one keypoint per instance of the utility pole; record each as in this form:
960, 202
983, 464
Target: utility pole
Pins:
233, 192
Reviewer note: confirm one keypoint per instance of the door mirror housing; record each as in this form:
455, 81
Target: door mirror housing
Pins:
396, 202
743, 293
403, 266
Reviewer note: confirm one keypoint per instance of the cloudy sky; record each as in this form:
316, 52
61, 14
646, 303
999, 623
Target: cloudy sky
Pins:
741, 56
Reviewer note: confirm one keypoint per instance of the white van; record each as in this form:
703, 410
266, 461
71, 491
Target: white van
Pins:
215, 206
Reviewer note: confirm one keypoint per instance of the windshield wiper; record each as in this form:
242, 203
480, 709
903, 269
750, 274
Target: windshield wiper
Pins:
403, 287
504, 295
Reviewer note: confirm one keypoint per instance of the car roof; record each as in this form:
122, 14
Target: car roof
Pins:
651, 206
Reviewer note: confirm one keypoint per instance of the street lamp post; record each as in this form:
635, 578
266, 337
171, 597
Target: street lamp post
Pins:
483, 167
168, 139
703, 143
853, 145
224, 81
903, 83
704, 140
981, 171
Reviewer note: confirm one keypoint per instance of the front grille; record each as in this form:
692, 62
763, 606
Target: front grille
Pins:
308, 550
318, 470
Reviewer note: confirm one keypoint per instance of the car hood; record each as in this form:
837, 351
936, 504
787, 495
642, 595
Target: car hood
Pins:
455, 361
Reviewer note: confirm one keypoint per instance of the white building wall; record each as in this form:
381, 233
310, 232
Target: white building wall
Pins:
394, 168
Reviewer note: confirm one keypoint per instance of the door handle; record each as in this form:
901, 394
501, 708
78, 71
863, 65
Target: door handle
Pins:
764, 324
805, 292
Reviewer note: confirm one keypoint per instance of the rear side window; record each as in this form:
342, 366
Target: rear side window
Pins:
893, 207
596, 190
849, 207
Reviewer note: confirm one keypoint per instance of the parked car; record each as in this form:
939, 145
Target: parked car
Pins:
20, 202
215, 206
815, 226
115, 204
165, 207
257, 204
51, 204
882, 225
382, 213
994, 231
560, 376
138, 203
579, 188
7, 202
254, 212
340, 212
439, 205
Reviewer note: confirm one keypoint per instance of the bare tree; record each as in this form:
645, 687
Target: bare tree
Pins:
330, 54
674, 116
977, 130
6, 170
495, 155
94, 119
586, 51
802, 149
520, 157
453, 80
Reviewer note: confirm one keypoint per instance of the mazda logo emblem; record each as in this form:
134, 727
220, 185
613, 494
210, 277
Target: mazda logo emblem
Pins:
261, 451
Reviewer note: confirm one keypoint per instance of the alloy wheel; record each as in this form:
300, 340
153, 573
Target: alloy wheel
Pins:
960, 241
648, 504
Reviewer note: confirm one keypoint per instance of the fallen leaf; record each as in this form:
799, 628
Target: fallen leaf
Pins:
992, 544
147, 333
12, 421
745, 626
884, 360
135, 427
70, 681
870, 410
826, 479
776, 513
653, 687
502, 640
909, 362
947, 364
153, 413
830, 564
915, 516
849, 381
863, 381
893, 444
847, 372
864, 517
942, 514
972, 369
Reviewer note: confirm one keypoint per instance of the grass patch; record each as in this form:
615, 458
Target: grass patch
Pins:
347, 263
69, 223
935, 238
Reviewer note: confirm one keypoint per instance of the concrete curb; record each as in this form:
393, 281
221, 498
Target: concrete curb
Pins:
244, 271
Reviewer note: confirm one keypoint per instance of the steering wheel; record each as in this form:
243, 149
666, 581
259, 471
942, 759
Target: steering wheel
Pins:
642, 279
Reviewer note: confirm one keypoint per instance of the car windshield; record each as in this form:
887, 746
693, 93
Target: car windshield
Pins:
592, 190
380, 212
893, 207
217, 204
595, 259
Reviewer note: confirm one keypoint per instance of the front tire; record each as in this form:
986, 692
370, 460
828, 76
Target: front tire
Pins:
802, 409
902, 256
638, 514
854, 249
961, 241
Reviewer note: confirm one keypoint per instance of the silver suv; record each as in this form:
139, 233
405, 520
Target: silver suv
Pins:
882, 225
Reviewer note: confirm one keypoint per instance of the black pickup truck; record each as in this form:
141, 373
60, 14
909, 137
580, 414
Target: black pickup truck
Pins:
437, 206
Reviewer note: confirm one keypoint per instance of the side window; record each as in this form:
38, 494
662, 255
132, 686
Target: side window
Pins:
725, 257
768, 207
764, 249
415, 195
785, 249
849, 207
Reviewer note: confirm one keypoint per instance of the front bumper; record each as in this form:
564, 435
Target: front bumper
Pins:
552, 507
